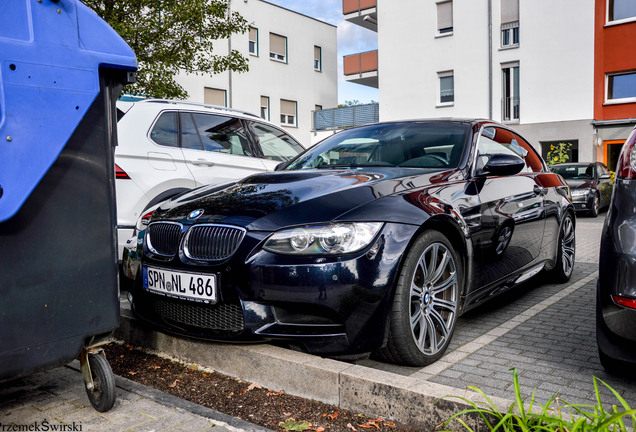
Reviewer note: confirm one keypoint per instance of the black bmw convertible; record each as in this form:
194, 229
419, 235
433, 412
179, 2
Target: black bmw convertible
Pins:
375, 240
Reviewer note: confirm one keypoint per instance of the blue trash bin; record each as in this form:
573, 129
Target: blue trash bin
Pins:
61, 71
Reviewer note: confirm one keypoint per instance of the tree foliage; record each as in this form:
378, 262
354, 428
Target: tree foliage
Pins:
169, 36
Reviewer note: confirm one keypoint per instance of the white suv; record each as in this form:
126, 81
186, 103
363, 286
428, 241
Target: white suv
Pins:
168, 147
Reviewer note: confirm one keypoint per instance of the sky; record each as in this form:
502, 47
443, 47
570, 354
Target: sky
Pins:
352, 39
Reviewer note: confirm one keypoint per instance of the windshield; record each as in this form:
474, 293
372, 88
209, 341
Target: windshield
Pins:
407, 145
574, 172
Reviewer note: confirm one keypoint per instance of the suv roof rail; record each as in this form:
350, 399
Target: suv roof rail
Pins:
218, 107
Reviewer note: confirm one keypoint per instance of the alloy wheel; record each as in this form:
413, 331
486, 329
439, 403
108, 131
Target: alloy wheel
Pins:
567, 246
434, 294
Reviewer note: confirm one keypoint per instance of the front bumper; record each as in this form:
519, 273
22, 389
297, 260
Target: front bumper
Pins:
330, 305
583, 202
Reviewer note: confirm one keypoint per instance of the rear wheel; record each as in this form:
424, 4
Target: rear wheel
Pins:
566, 250
426, 302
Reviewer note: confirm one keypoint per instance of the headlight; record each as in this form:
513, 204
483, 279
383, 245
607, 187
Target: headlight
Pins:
579, 192
323, 239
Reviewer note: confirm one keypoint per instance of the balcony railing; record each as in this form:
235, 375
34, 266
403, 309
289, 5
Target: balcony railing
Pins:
345, 117
361, 63
510, 109
350, 6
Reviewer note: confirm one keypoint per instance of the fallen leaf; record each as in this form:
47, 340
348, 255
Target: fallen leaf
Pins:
174, 384
132, 373
333, 416
206, 374
351, 427
254, 386
390, 424
287, 414
369, 424
293, 425
244, 391
324, 415
154, 367
318, 429
275, 393
230, 395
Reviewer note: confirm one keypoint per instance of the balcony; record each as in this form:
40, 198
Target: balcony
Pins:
361, 12
345, 117
362, 68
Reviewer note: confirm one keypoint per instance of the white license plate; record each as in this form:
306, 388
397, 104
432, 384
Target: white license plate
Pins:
191, 286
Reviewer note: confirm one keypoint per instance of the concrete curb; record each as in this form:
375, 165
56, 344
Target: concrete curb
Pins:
405, 399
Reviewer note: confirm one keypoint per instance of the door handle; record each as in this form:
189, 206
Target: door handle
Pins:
203, 162
538, 190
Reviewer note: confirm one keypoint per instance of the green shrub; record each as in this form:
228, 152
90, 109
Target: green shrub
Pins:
564, 417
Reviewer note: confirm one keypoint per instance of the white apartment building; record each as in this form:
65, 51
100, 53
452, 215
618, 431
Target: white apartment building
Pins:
292, 68
526, 63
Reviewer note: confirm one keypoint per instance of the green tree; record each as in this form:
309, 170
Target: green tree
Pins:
169, 36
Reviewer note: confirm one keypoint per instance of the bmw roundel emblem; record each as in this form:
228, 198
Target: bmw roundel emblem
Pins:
195, 214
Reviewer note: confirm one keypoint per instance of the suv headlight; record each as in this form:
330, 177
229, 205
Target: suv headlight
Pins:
580, 192
329, 239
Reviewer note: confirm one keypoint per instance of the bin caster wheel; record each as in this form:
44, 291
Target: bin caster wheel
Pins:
103, 394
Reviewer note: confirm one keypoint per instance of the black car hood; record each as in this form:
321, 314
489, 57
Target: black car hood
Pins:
580, 184
269, 201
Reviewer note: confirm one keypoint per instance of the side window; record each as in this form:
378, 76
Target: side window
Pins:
165, 131
222, 134
502, 141
275, 144
189, 135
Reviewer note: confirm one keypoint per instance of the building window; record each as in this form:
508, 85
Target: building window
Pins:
265, 107
214, 97
618, 10
509, 23
278, 48
445, 18
510, 93
621, 87
573, 152
254, 41
318, 108
317, 58
288, 112
446, 88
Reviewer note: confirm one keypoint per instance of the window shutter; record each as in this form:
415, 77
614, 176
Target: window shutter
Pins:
253, 34
288, 107
509, 11
317, 53
214, 96
277, 44
264, 101
444, 15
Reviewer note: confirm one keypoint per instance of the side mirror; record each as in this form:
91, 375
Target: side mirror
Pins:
605, 176
280, 165
503, 165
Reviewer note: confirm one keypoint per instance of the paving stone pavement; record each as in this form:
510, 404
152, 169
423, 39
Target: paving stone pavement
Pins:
56, 400
546, 331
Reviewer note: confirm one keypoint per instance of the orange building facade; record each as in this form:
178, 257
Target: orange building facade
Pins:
614, 76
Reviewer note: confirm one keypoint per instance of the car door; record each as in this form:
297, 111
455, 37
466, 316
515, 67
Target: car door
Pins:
217, 148
512, 208
273, 145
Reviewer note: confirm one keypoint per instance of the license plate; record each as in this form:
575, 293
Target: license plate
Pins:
191, 286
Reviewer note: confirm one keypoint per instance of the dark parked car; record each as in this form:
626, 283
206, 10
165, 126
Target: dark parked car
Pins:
616, 293
589, 184
376, 239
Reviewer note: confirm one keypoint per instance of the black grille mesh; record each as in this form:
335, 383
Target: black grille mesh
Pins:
164, 238
223, 316
213, 243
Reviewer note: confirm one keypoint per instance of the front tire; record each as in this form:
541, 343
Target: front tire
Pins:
426, 302
566, 250
596, 203
103, 394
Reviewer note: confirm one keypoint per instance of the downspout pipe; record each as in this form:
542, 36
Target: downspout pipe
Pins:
490, 59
